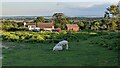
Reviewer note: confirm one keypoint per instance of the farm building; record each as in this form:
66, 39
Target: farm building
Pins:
73, 27
46, 26
58, 29
32, 26
40, 25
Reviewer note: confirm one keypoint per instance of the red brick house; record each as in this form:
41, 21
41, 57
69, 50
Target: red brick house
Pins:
58, 29
73, 27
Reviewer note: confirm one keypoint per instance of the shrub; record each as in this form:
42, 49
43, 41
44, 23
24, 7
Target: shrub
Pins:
108, 40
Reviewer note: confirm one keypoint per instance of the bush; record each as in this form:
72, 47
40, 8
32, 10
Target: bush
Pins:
109, 41
45, 36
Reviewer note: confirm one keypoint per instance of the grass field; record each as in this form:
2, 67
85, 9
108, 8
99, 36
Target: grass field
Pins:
80, 53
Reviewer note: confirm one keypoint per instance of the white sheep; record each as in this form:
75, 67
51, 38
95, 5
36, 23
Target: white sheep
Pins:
59, 46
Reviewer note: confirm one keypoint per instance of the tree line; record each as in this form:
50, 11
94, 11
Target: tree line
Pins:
59, 19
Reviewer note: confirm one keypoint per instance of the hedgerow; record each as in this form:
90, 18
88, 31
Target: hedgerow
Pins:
104, 39
45, 36
109, 41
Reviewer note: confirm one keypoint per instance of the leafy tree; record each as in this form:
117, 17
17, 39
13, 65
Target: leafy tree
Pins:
97, 23
59, 16
39, 19
119, 9
114, 10
112, 25
20, 24
81, 24
57, 25
6, 25
106, 15
60, 20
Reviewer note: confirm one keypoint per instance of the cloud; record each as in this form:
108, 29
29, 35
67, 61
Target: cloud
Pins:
27, 8
83, 5
47, 8
78, 9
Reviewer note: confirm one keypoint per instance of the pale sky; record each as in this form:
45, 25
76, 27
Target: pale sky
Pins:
111, 1
48, 7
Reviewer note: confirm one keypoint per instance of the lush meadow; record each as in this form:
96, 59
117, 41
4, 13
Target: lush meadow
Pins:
91, 48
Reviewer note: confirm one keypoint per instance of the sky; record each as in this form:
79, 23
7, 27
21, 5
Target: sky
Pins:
49, 7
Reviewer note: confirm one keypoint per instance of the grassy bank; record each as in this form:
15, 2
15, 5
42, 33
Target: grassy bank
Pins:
85, 52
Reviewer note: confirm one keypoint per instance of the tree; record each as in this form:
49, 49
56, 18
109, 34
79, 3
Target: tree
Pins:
96, 25
6, 25
81, 24
112, 25
114, 10
39, 19
20, 24
58, 16
60, 20
119, 9
106, 15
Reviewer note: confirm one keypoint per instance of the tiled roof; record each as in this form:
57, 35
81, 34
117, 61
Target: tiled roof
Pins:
45, 25
71, 25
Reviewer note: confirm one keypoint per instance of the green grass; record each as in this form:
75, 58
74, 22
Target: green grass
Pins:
80, 53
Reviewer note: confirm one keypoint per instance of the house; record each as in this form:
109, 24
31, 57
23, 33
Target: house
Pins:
40, 25
46, 26
32, 27
73, 27
58, 29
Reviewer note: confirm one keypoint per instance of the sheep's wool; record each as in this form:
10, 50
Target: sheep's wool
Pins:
58, 46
